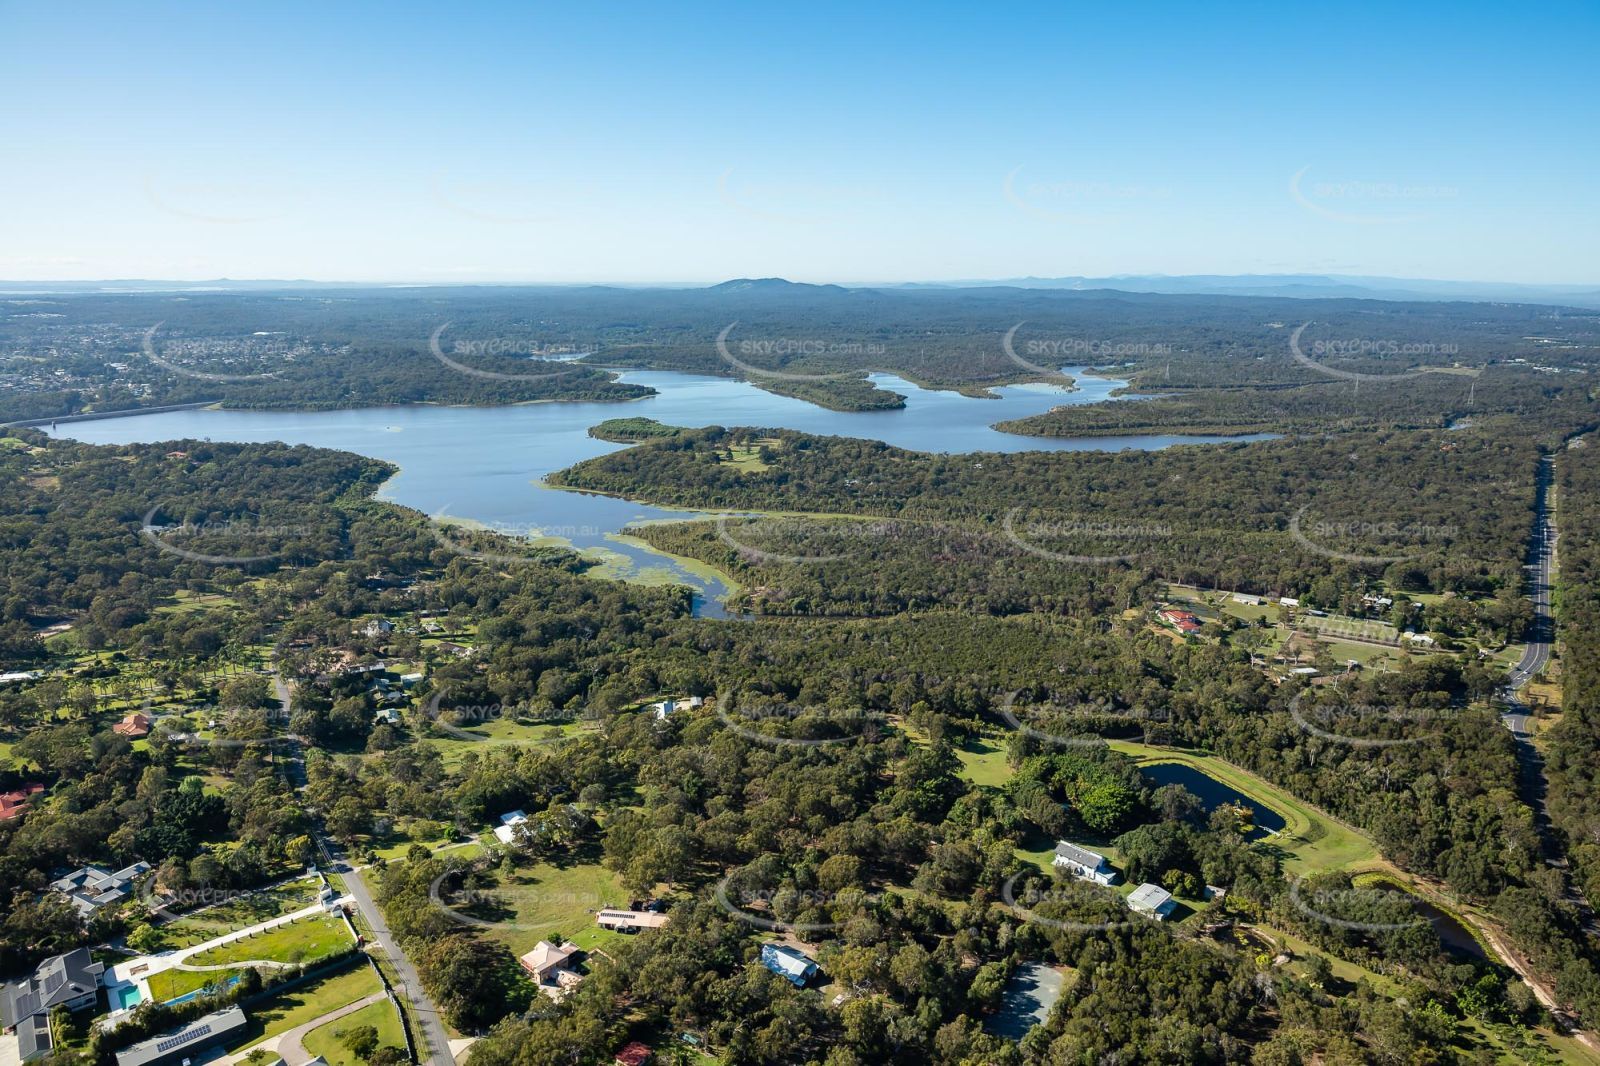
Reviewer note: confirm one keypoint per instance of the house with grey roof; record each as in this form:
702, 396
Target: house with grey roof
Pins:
184, 1044
69, 981
90, 888
1152, 901
1083, 864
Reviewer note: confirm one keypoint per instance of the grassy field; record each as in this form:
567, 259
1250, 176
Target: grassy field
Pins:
544, 901
498, 733
170, 984
301, 941
746, 458
262, 906
983, 762
306, 1003
324, 1039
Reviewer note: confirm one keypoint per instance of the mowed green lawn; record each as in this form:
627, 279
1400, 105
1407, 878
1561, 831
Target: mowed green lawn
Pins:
293, 1008
300, 941
983, 761
324, 1039
543, 902
257, 907
304, 941
481, 736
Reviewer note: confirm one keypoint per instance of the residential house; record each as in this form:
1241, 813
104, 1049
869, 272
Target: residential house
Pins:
1152, 901
378, 627
133, 727
185, 1044
1247, 599
506, 831
450, 647
90, 888
1288, 601
551, 968
663, 708
791, 964
70, 981
1181, 620
1083, 864
627, 921
13, 803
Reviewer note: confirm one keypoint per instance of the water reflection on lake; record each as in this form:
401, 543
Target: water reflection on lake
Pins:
1213, 794
486, 463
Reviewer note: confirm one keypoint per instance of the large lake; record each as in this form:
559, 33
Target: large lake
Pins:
486, 464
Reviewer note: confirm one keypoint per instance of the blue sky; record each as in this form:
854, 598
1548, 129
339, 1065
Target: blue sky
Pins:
618, 142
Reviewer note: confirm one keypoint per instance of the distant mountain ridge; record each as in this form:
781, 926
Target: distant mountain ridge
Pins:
1301, 286
1293, 286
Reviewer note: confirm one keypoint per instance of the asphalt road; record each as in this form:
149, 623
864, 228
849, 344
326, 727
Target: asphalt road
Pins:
433, 1042
1541, 555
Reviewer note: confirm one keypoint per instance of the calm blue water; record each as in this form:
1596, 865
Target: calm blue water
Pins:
1213, 794
126, 997
187, 996
486, 463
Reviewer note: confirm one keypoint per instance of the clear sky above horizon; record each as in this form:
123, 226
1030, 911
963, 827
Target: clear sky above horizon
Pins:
621, 142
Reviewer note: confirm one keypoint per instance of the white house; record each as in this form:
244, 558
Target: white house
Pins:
379, 627
506, 831
1083, 864
1288, 601
1152, 901
1247, 599
664, 708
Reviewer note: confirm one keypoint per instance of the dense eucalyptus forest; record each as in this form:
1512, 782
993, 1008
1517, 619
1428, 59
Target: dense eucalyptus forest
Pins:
940, 665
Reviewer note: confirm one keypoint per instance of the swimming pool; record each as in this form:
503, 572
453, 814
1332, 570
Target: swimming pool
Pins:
224, 985
126, 997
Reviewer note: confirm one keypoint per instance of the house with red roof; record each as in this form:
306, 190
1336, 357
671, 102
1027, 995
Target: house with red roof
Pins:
15, 802
133, 727
1181, 620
